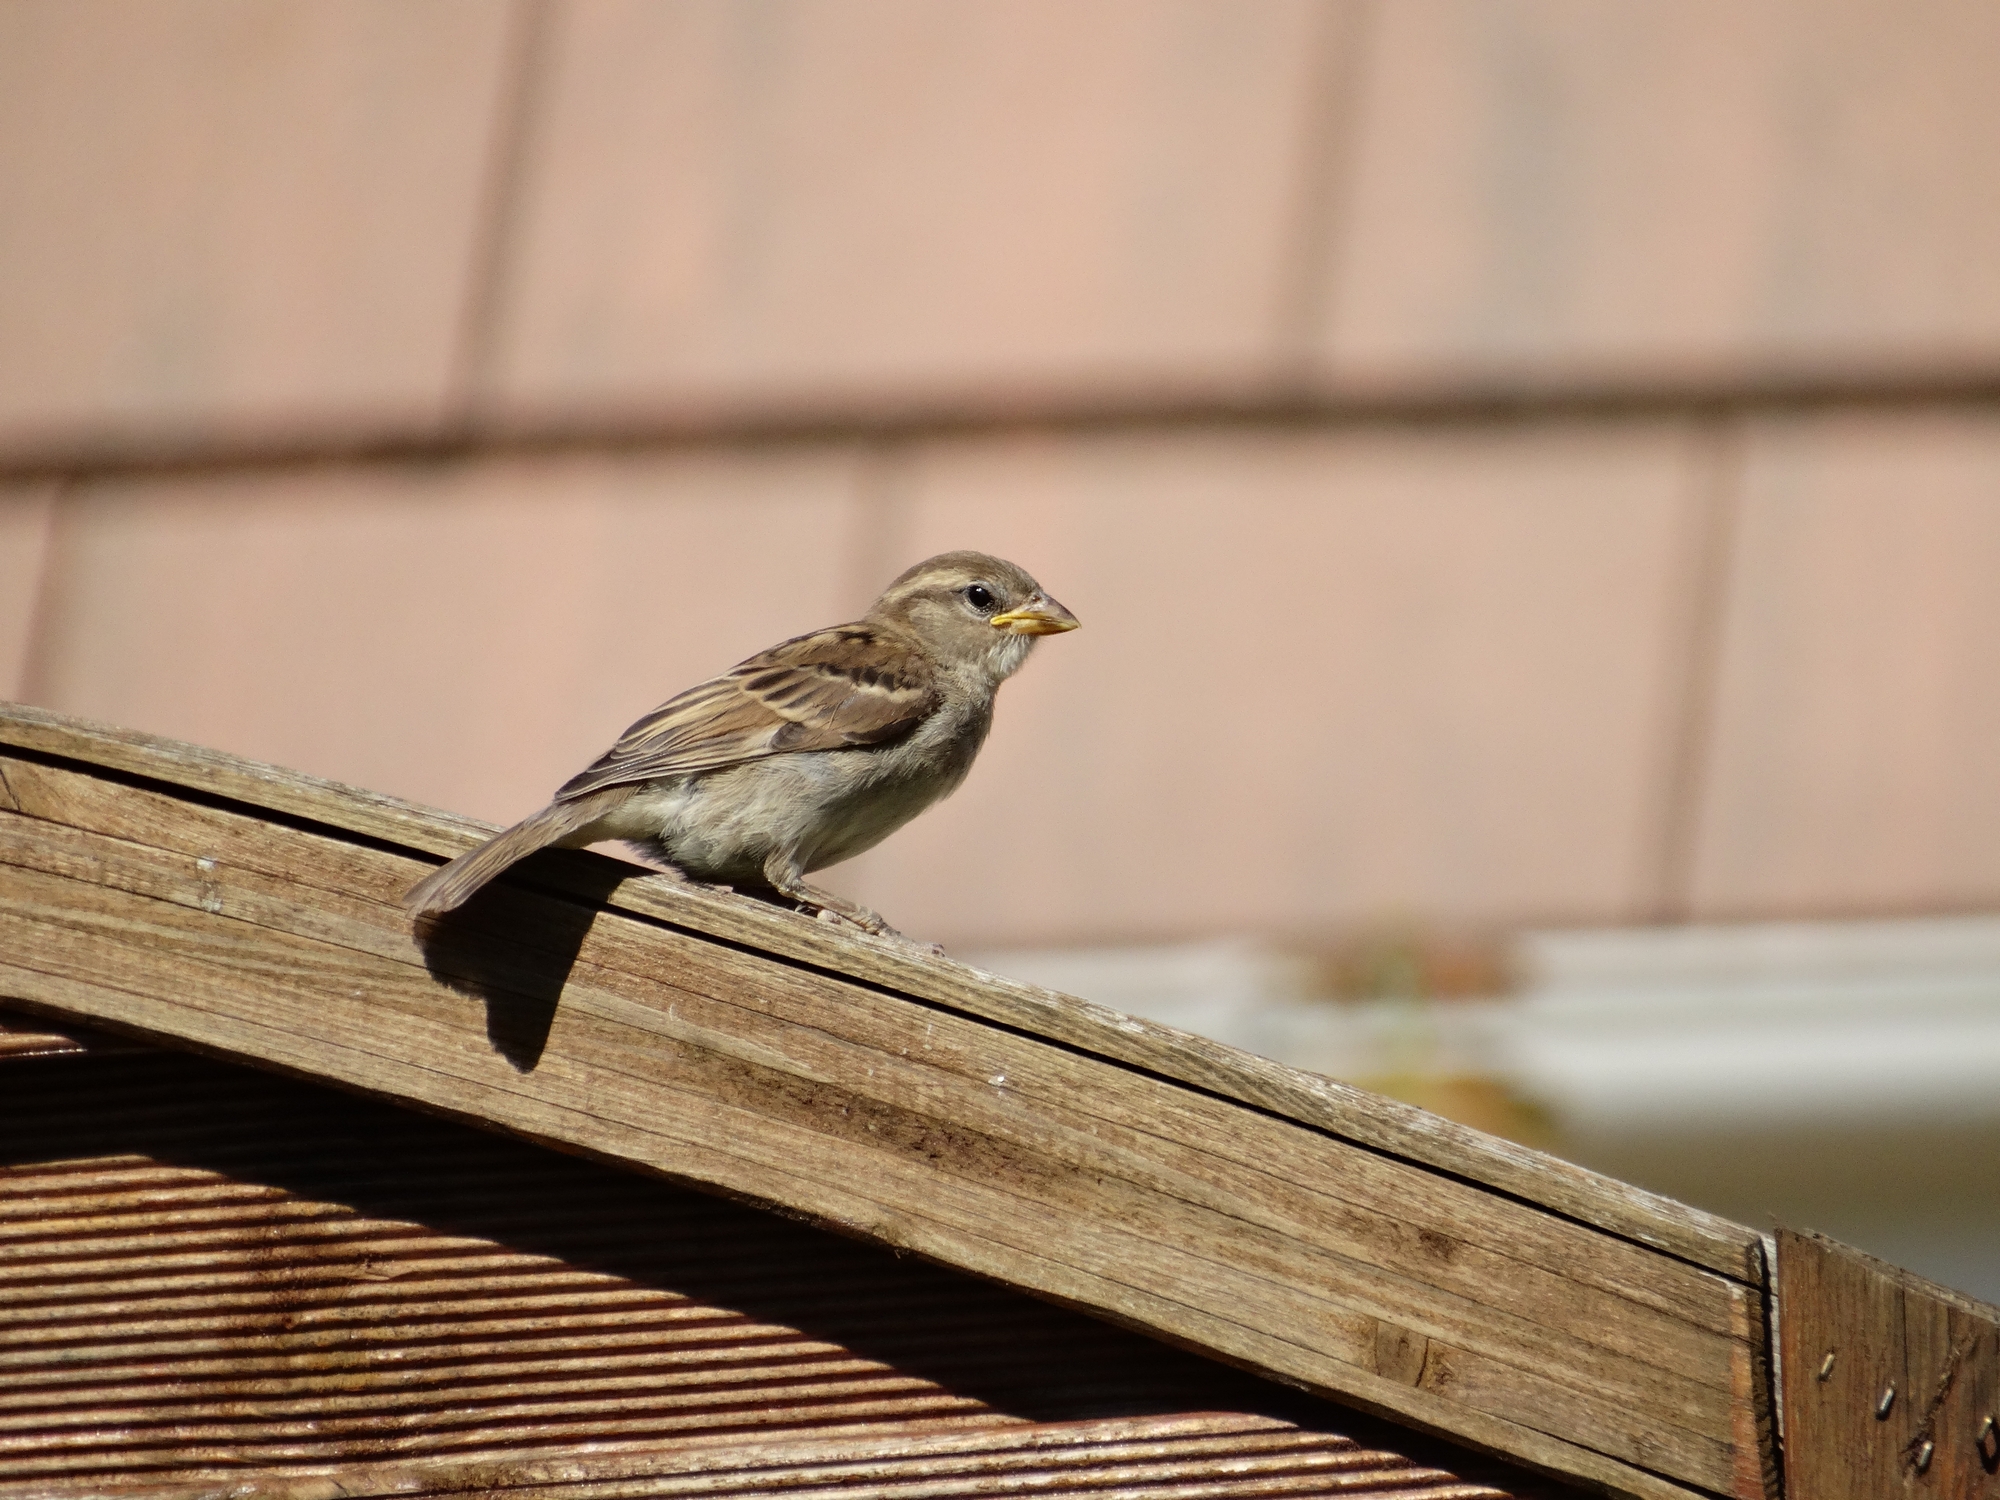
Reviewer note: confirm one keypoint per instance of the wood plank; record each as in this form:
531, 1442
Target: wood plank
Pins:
620, 1140
269, 983
1261, 1239
332, 869
1891, 1383
1353, 1114
1225, 1454
1459, 1231
1178, 1260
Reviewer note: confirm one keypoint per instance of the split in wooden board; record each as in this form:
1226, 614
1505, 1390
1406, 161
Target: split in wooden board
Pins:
1271, 1222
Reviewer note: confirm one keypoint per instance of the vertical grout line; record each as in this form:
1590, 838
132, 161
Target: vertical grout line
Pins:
37, 666
1328, 159
496, 226
1717, 502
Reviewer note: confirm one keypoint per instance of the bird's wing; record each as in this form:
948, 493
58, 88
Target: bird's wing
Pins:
835, 689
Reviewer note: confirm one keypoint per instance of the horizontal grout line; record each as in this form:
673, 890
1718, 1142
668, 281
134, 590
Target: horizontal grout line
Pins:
138, 453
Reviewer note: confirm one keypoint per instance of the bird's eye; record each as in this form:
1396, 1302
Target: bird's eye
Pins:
979, 596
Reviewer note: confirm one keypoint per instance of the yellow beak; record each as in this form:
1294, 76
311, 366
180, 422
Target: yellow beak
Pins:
1041, 615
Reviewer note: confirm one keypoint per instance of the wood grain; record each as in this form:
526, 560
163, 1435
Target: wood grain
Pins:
1890, 1381
234, 1279
250, 848
1354, 1114
1222, 1456
1260, 1238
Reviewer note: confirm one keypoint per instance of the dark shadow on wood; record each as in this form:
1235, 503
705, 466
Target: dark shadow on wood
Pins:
513, 947
731, 1280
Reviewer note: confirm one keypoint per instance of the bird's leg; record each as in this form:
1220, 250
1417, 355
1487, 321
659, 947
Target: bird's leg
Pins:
666, 869
785, 877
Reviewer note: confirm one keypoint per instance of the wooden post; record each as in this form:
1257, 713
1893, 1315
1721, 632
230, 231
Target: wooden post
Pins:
1891, 1385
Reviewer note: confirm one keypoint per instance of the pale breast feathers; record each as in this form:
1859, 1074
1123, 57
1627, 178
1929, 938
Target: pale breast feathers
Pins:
831, 690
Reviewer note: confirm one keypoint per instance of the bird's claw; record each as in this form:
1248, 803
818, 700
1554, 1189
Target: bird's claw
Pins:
874, 926
871, 924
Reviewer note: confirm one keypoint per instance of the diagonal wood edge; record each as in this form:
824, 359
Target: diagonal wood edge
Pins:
1890, 1384
141, 925
582, 1099
280, 945
1339, 1109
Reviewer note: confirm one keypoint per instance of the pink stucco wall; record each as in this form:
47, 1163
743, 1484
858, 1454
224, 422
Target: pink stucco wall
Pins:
1514, 461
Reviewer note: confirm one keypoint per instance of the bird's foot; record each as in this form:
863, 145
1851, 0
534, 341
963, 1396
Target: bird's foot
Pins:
860, 918
873, 924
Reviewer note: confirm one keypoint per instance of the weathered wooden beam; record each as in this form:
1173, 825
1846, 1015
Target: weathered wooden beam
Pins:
1354, 1114
1277, 1221
1891, 1383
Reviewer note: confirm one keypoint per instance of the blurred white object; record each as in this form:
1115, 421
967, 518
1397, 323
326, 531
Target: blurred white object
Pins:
1623, 1031
1757, 1025
1215, 988
1250, 995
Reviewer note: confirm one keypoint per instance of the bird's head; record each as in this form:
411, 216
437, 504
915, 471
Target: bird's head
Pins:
972, 610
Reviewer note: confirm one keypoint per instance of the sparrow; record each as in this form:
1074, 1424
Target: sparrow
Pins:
806, 754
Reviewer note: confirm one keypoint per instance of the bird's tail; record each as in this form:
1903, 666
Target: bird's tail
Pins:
558, 823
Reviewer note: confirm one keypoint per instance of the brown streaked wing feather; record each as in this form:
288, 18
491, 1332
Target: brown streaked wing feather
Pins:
831, 690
